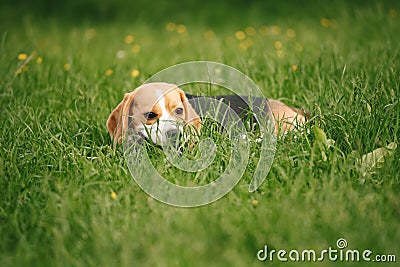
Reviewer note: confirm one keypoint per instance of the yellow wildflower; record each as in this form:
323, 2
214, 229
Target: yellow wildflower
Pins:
240, 35
209, 34
108, 72
290, 33
278, 45
325, 22
275, 30
254, 203
67, 66
243, 46
298, 47
250, 30
279, 53
113, 195
129, 39
39, 60
135, 73
22, 56
248, 42
180, 28
295, 67
136, 48
171, 26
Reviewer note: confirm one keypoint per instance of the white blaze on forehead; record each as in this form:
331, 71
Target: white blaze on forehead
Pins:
164, 124
161, 102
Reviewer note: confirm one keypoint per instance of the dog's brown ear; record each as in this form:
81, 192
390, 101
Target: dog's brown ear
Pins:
115, 120
305, 113
191, 117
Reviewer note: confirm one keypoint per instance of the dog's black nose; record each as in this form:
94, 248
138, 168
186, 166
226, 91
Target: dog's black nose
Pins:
172, 137
172, 134
172, 140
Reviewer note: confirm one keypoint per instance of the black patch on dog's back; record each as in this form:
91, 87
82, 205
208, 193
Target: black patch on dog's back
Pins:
244, 106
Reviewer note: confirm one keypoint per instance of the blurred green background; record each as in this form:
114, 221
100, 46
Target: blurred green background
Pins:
211, 13
234, 13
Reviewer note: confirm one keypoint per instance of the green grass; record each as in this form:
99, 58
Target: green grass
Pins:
58, 168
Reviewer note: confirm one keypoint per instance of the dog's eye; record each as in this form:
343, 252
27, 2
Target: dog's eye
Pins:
150, 115
179, 111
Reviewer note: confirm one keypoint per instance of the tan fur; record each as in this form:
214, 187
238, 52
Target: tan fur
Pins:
286, 118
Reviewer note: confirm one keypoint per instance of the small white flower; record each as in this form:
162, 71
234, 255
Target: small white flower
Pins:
121, 54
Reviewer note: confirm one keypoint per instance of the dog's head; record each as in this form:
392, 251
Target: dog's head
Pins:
155, 111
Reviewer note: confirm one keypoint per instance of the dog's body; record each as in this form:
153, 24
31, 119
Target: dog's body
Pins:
157, 111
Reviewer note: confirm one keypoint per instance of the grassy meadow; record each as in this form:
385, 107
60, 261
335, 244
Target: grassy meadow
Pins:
67, 198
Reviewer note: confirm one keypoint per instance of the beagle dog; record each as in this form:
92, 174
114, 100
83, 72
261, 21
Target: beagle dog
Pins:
157, 111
